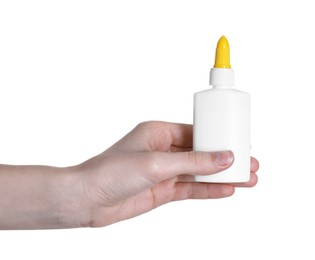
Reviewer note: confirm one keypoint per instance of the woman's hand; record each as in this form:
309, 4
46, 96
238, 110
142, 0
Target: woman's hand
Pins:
152, 165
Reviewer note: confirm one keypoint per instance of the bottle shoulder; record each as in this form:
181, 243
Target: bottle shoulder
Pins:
222, 91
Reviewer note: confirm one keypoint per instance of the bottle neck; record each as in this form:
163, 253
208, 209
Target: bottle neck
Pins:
221, 78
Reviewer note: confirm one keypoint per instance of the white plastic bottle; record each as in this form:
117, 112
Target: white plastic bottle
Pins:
222, 120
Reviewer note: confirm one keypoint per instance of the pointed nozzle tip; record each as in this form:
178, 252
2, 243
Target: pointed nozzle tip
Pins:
222, 57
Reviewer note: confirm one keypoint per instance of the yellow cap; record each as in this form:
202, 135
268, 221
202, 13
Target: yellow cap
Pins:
222, 55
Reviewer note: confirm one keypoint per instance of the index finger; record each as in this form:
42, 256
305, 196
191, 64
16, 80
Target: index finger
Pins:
157, 136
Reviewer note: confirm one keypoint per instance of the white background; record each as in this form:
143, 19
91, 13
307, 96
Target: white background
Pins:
75, 76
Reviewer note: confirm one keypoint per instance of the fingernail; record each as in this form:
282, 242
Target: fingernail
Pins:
224, 158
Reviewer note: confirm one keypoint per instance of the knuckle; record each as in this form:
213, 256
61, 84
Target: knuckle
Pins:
152, 126
202, 162
196, 158
148, 125
154, 167
189, 191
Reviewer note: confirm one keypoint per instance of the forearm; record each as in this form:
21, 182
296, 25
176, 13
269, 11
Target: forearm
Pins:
35, 197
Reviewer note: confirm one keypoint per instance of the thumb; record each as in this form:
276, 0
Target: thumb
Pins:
163, 166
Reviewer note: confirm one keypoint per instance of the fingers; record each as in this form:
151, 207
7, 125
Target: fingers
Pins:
156, 136
187, 164
182, 136
162, 166
202, 191
164, 135
251, 183
254, 164
193, 190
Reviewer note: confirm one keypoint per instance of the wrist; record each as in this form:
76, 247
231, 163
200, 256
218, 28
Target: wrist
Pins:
41, 197
72, 209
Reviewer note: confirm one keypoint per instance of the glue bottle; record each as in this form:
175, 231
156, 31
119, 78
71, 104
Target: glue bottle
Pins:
222, 120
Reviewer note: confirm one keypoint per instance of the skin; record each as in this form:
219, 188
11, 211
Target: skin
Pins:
152, 165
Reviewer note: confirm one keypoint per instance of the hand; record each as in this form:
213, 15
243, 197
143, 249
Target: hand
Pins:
146, 169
